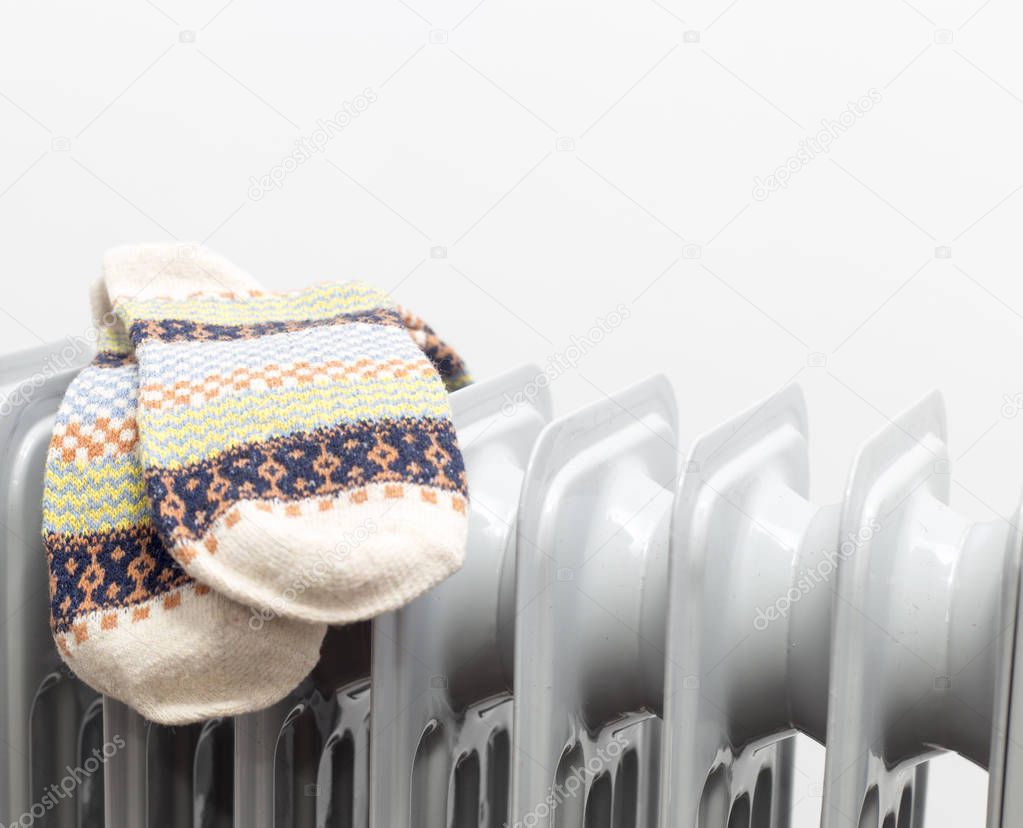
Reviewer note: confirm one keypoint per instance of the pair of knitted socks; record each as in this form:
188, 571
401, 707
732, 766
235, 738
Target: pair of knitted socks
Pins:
235, 470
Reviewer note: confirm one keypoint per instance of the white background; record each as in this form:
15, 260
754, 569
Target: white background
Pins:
568, 157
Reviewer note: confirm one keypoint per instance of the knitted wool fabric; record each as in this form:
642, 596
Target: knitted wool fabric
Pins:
297, 448
444, 358
126, 617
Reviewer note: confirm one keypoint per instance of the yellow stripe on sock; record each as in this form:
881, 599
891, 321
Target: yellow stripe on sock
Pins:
79, 500
113, 339
323, 302
175, 437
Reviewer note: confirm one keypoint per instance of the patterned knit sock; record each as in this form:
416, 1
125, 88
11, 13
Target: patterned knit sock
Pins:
125, 616
297, 448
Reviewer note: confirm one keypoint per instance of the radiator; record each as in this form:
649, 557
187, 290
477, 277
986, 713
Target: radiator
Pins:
633, 641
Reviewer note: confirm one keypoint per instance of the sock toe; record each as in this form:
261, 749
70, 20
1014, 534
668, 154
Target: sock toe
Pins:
337, 559
191, 654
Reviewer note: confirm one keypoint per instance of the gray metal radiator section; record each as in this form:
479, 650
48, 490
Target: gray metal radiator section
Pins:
571, 673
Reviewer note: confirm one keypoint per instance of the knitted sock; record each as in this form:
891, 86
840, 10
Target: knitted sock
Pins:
125, 616
298, 449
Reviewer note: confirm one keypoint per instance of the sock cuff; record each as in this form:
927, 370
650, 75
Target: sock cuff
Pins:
172, 271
